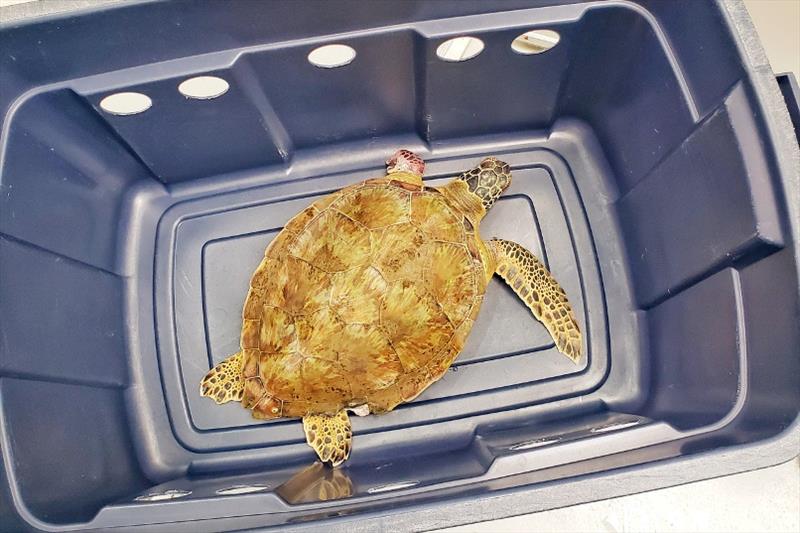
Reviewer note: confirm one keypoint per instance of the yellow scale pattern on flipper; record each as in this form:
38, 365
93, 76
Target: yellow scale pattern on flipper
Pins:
540, 291
330, 436
224, 382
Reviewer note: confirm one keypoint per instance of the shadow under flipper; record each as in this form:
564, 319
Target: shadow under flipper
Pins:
316, 483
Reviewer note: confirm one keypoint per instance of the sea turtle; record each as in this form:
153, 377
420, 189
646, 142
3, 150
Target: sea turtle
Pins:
366, 297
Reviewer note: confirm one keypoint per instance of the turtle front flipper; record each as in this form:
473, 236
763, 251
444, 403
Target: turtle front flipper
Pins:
330, 436
224, 382
540, 291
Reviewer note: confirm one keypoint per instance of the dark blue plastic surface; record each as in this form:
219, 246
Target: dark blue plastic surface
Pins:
655, 172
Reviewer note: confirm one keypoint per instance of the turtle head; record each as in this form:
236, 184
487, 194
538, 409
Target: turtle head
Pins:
405, 161
488, 180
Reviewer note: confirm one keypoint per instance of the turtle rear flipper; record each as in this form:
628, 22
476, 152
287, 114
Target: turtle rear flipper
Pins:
540, 291
224, 382
330, 436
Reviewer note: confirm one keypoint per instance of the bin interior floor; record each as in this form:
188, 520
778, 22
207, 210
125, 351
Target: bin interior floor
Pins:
649, 176
209, 241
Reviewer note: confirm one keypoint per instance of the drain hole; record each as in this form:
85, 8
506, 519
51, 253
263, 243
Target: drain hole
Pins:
203, 87
392, 486
459, 49
126, 103
332, 56
241, 489
535, 42
170, 494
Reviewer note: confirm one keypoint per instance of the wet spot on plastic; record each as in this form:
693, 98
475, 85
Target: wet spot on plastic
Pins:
332, 56
203, 87
615, 426
241, 489
392, 486
535, 42
127, 103
535, 443
459, 49
170, 494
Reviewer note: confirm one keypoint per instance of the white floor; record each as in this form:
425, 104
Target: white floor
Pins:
778, 25
764, 500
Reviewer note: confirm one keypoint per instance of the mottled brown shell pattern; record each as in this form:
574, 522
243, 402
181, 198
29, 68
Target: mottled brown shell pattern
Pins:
365, 297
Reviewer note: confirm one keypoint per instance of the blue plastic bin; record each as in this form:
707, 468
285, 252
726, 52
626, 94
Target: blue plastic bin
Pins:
656, 173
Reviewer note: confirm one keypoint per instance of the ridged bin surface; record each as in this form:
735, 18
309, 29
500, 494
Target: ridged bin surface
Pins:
655, 173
